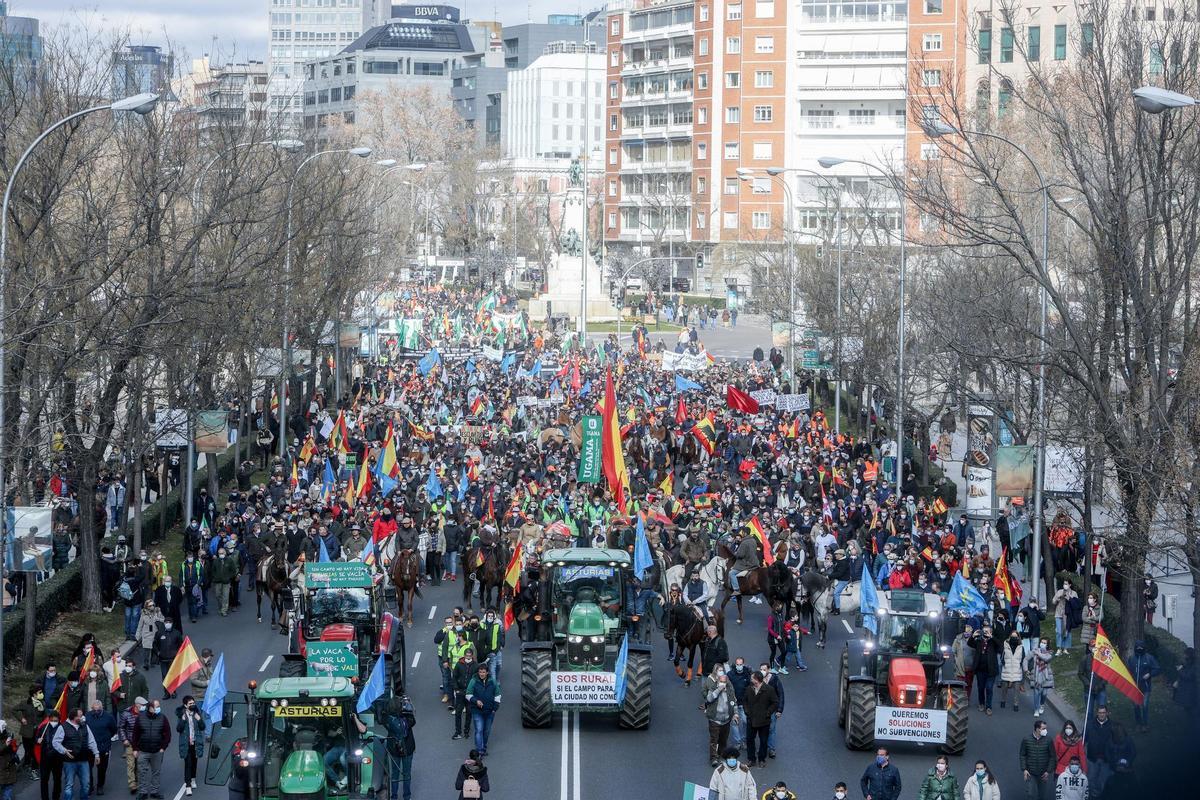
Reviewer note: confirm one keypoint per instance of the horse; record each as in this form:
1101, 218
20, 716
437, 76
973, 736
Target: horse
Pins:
755, 582
712, 573
817, 602
781, 581
686, 627
405, 572
484, 565
271, 577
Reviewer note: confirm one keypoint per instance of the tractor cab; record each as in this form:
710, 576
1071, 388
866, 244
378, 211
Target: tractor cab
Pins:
586, 598
295, 739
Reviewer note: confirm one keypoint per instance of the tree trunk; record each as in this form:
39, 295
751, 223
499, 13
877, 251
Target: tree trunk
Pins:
27, 650
87, 556
214, 480
135, 492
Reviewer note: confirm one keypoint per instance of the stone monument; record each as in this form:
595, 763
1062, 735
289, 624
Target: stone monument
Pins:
565, 273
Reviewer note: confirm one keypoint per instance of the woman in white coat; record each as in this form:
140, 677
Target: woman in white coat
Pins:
981, 785
1012, 670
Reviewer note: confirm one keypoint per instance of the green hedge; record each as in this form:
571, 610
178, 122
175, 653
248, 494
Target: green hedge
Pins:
61, 591
633, 298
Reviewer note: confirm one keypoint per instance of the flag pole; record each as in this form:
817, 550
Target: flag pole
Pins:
1087, 709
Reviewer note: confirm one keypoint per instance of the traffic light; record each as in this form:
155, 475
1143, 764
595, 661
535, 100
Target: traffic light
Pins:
700, 260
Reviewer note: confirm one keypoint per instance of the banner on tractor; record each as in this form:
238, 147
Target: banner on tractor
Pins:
583, 688
331, 659
925, 725
590, 455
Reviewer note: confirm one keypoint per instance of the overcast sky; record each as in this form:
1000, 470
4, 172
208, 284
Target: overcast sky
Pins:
238, 26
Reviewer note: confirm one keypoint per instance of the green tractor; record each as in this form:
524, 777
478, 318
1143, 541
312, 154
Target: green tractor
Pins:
579, 656
296, 739
900, 684
335, 624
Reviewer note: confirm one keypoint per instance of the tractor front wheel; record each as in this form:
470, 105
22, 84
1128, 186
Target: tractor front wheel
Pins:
843, 683
860, 716
635, 711
956, 720
536, 708
292, 668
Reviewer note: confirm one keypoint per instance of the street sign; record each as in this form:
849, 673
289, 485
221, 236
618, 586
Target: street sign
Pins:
338, 575
331, 659
810, 359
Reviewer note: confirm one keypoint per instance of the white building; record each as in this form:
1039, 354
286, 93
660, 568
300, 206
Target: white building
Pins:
544, 107
224, 95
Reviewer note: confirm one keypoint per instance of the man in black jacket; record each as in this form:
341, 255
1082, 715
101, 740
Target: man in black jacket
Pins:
1037, 763
772, 680
762, 702
714, 651
987, 665
167, 642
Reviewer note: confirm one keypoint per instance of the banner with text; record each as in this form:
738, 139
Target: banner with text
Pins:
924, 725
684, 361
583, 688
792, 402
591, 450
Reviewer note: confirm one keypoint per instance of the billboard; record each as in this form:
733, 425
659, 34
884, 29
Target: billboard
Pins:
1015, 470
212, 431
978, 466
171, 428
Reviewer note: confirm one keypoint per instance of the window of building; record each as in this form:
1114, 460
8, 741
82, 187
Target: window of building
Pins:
657, 116
862, 117
733, 11
761, 185
930, 114
704, 46
615, 29
702, 80
760, 220
702, 151
335, 94
700, 221
819, 117
1004, 98
614, 58
729, 220
701, 185
733, 45
612, 219
1034, 43
931, 78
733, 80
1087, 38
762, 151
612, 90
764, 79
612, 187
985, 47
931, 42
682, 115
1156, 60
933, 6
764, 44
1060, 42
702, 115
733, 115
1006, 45
323, 96
612, 156
732, 151
764, 113
764, 9
612, 122
929, 151
731, 186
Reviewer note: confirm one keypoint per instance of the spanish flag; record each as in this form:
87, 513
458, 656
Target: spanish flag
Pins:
477, 405
705, 434
760, 533
1108, 665
512, 575
308, 450
115, 686
389, 464
295, 480
509, 616
424, 435
351, 495
939, 506
364, 480
186, 664
612, 457
1004, 580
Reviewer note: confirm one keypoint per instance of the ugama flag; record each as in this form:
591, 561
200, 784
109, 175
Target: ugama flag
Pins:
1108, 665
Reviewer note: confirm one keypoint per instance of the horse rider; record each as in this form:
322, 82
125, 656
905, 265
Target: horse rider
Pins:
693, 552
696, 593
794, 557
745, 559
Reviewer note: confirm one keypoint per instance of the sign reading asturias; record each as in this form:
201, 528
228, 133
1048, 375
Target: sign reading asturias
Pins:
307, 711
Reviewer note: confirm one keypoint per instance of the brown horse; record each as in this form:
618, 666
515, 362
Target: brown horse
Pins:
686, 627
271, 578
485, 565
405, 573
755, 582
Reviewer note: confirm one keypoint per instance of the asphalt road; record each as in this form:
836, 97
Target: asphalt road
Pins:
587, 756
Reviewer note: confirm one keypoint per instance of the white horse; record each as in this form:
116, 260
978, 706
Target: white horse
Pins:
712, 573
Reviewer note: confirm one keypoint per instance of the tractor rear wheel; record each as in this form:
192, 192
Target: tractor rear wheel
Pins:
536, 708
843, 674
860, 716
635, 711
292, 668
956, 720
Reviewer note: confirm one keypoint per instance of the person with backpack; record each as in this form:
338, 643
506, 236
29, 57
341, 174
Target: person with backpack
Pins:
472, 781
399, 720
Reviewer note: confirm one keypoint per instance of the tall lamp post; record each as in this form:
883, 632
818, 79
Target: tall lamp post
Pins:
140, 104
898, 185
746, 173
935, 129
286, 367
289, 145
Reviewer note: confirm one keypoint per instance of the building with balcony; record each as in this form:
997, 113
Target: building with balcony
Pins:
225, 96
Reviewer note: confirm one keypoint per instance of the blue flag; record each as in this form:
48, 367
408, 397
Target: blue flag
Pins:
463, 484
868, 601
682, 384
642, 560
536, 369
430, 361
323, 552
555, 386
387, 484
433, 487
965, 597
507, 363
328, 479
620, 668
470, 366
587, 387
373, 689
214, 698
645, 397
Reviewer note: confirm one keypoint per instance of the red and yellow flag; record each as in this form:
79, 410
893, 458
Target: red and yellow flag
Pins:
509, 616
705, 434
351, 495
1005, 582
939, 506
364, 480
186, 664
391, 464
668, 484
339, 437
1108, 665
308, 450
512, 575
760, 533
612, 456
115, 686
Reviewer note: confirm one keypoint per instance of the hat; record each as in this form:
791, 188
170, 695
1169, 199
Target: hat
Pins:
139, 701
120, 539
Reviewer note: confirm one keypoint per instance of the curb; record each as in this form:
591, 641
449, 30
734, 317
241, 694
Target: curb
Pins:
1061, 707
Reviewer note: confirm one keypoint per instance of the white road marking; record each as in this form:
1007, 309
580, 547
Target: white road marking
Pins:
416, 659
564, 765
263, 668
432, 611
179, 794
578, 765
849, 630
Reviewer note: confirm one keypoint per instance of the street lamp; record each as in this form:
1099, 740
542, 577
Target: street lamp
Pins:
1154, 100
934, 129
141, 104
285, 367
828, 162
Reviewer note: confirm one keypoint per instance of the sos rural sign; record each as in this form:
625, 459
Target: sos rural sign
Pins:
583, 688
925, 725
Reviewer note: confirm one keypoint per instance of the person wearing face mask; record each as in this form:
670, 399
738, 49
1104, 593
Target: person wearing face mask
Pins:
1012, 671
169, 598
103, 726
151, 735
464, 671
94, 689
881, 780
839, 791
1037, 763
1144, 667
1072, 783
125, 723
489, 643
1068, 746
166, 646
191, 728
779, 791
76, 748
1092, 617
939, 783
224, 572
731, 780
203, 676
739, 677
720, 705
982, 784
1041, 675
133, 684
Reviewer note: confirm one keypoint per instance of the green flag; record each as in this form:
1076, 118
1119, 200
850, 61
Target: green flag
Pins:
590, 452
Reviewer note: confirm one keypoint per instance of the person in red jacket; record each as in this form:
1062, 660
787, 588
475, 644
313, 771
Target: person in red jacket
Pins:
1068, 745
384, 526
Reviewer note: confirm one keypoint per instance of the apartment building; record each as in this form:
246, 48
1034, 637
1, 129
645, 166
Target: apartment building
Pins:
544, 105
224, 95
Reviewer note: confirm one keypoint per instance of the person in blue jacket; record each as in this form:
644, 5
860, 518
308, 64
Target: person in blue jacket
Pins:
881, 780
1145, 669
